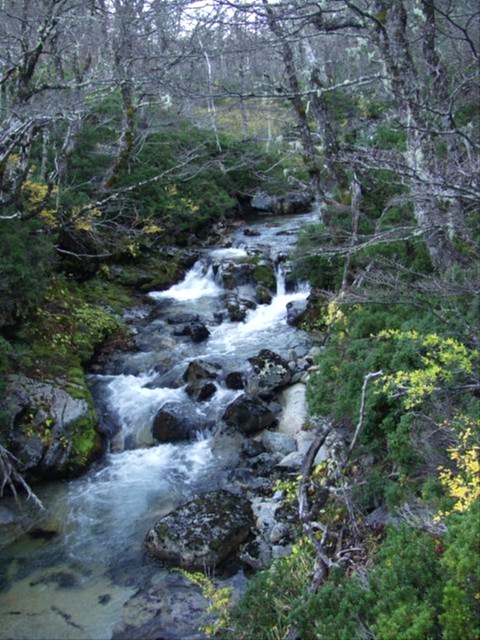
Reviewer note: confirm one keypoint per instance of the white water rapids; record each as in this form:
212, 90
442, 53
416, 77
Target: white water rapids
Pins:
102, 517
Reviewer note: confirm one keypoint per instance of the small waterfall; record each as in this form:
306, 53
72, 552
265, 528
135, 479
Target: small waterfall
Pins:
198, 283
280, 280
136, 404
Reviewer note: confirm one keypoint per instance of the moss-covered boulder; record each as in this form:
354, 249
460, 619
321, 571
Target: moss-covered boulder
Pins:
203, 532
50, 427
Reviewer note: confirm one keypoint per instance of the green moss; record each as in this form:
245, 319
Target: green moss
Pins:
264, 276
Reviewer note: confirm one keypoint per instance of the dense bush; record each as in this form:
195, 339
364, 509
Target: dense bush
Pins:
419, 588
26, 260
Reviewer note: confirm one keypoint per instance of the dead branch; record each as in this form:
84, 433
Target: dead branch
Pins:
10, 477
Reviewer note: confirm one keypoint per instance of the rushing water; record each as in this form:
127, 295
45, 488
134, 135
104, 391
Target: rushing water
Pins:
75, 582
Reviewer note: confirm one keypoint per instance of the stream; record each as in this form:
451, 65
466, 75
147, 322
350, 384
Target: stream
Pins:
86, 572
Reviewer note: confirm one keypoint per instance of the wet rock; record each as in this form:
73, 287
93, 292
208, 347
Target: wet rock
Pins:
198, 376
197, 331
235, 274
169, 425
234, 380
296, 311
52, 431
248, 414
263, 295
275, 442
250, 232
271, 371
203, 532
264, 274
236, 311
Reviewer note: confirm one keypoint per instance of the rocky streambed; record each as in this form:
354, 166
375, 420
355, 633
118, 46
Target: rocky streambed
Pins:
203, 417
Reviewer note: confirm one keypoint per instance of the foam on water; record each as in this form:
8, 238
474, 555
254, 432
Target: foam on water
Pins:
135, 404
265, 318
127, 488
198, 283
230, 253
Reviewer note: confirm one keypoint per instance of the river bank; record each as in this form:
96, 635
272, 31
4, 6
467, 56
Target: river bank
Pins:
86, 552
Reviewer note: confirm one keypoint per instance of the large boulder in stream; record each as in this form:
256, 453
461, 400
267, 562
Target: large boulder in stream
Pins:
248, 414
172, 425
199, 376
203, 532
51, 429
270, 372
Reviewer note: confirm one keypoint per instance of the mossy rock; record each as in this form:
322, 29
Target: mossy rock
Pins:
50, 428
203, 532
264, 275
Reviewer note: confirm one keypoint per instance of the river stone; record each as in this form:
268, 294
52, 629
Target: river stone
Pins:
234, 380
304, 440
291, 462
271, 371
275, 442
170, 426
296, 311
234, 274
295, 412
197, 331
263, 295
51, 432
237, 311
198, 376
249, 414
203, 532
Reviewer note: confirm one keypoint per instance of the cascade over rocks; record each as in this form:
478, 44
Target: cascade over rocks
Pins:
203, 532
248, 414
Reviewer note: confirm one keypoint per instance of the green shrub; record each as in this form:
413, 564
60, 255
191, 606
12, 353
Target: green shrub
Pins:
26, 260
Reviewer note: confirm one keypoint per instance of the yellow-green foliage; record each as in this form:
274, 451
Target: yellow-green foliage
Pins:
69, 325
219, 599
463, 484
444, 361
